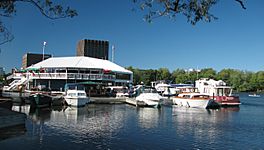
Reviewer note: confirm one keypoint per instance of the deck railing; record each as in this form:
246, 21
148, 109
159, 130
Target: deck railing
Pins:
76, 76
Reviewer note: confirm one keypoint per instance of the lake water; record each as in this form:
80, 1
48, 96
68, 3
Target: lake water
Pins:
122, 126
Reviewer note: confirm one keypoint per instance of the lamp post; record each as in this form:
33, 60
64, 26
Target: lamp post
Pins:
43, 50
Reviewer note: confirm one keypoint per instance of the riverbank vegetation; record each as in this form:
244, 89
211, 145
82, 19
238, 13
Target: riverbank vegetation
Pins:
243, 81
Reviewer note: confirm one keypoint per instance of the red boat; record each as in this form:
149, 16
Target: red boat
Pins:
218, 90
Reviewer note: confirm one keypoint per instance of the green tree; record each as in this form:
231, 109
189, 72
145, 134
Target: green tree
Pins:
207, 73
47, 8
163, 74
179, 76
260, 80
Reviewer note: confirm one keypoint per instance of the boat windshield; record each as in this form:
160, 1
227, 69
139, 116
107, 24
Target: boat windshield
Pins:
71, 94
201, 96
81, 94
223, 91
150, 90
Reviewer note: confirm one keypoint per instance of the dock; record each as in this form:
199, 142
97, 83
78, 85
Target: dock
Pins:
9, 118
107, 100
6, 103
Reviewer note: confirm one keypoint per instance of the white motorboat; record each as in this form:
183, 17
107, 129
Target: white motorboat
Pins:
254, 95
195, 100
149, 97
76, 98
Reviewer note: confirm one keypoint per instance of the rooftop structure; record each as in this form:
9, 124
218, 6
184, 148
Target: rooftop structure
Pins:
93, 48
31, 59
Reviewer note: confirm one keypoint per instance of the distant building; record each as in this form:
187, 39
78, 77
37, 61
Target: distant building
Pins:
93, 48
31, 59
2, 71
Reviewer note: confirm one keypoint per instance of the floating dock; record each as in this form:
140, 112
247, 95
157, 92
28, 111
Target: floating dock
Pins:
10, 118
107, 100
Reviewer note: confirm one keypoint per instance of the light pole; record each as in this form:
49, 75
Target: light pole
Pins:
43, 50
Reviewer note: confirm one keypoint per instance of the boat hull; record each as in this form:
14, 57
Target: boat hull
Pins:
227, 100
149, 99
195, 103
77, 102
148, 103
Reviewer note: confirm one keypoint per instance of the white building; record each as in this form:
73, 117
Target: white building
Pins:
55, 72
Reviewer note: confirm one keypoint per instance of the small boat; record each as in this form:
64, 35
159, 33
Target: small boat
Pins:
195, 100
149, 97
117, 92
254, 95
76, 98
40, 100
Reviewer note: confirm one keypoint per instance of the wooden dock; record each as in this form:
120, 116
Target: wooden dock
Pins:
6, 103
9, 118
107, 100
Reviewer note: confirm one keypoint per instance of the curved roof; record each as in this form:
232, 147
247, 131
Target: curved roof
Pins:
79, 62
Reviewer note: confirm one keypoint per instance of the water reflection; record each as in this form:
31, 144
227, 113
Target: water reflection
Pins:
148, 117
87, 123
202, 124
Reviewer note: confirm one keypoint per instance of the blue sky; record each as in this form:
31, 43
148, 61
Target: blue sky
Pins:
235, 40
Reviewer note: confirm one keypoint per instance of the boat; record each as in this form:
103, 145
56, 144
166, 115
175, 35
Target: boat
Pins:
218, 90
40, 100
76, 98
254, 95
117, 91
148, 96
195, 100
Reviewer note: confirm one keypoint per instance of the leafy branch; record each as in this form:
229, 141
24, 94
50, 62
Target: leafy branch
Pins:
193, 10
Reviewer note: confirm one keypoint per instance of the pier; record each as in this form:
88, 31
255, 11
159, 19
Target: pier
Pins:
107, 100
10, 118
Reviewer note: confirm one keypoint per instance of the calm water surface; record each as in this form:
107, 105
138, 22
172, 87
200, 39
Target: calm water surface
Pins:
127, 127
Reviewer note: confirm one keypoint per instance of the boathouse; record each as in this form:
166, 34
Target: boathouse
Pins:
55, 72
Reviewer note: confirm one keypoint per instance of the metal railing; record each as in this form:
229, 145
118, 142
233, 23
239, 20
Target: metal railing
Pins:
77, 76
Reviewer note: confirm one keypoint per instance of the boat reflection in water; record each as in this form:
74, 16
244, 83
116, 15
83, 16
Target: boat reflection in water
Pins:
199, 125
148, 117
87, 124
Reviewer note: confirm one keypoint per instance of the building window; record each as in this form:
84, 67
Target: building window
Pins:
123, 76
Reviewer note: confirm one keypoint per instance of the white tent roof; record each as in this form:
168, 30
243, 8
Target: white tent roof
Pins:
79, 62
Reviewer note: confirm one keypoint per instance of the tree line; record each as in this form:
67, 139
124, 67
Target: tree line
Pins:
243, 81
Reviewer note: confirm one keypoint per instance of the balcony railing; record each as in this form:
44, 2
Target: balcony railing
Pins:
76, 76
